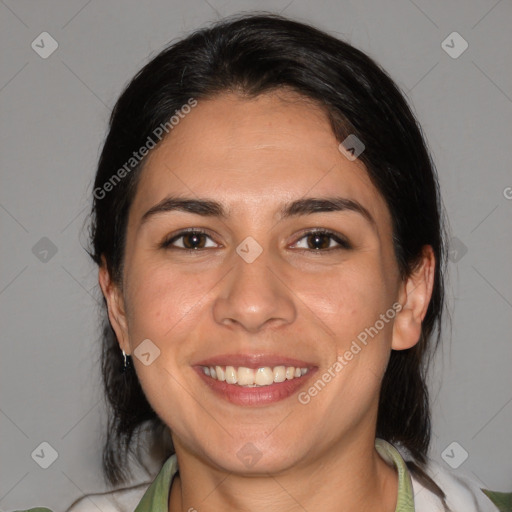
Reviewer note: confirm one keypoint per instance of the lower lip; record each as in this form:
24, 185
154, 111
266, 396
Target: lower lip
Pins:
262, 395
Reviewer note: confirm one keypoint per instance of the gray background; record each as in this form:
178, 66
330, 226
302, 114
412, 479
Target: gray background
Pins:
54, 118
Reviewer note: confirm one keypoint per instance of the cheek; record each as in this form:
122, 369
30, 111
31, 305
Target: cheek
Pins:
161, 297
350, 303
163, 304
349, 299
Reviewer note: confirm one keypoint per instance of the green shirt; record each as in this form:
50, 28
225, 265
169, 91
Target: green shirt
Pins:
156, 497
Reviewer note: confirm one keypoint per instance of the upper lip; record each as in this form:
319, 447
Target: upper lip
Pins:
254, 361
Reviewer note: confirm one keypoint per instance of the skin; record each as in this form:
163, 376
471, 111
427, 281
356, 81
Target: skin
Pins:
253, 156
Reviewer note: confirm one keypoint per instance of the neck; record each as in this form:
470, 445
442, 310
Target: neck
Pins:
350, 477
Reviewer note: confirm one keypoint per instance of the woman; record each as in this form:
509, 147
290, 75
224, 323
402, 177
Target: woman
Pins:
268, 232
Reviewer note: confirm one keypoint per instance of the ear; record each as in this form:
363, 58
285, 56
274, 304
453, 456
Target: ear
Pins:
414, 296
116, 306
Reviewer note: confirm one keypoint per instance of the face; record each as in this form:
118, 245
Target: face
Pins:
278, 278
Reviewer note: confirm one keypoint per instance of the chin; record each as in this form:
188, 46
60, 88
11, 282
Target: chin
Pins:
257, 457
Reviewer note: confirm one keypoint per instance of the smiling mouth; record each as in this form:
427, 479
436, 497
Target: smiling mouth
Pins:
251, 378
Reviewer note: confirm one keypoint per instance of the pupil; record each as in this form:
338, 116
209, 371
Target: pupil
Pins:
318, 240
191, 239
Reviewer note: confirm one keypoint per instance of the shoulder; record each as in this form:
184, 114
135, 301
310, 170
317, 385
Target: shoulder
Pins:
121, 500
463, 493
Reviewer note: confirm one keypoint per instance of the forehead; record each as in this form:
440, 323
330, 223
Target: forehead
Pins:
254, 154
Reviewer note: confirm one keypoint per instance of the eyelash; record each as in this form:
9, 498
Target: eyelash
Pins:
343, 243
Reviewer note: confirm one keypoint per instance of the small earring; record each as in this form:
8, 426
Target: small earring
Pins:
126, 363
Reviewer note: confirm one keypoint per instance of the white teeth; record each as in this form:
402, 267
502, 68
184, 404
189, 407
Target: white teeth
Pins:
231, 375
245, 376
220, 373
280, 373
248, 377
264, 376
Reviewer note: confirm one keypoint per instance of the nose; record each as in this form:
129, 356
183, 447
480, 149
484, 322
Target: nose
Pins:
254, 296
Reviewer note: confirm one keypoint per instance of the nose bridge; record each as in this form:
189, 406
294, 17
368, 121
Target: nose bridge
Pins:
253, 295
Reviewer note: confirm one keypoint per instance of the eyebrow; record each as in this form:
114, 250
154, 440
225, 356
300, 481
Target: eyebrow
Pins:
299, 207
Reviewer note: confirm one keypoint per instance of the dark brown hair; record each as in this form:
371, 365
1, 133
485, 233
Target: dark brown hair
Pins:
251, 55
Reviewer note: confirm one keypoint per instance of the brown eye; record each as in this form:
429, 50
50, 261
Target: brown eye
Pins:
322, 240
190, 241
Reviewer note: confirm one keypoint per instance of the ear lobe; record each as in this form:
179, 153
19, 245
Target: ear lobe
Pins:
115, 305
415, 294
